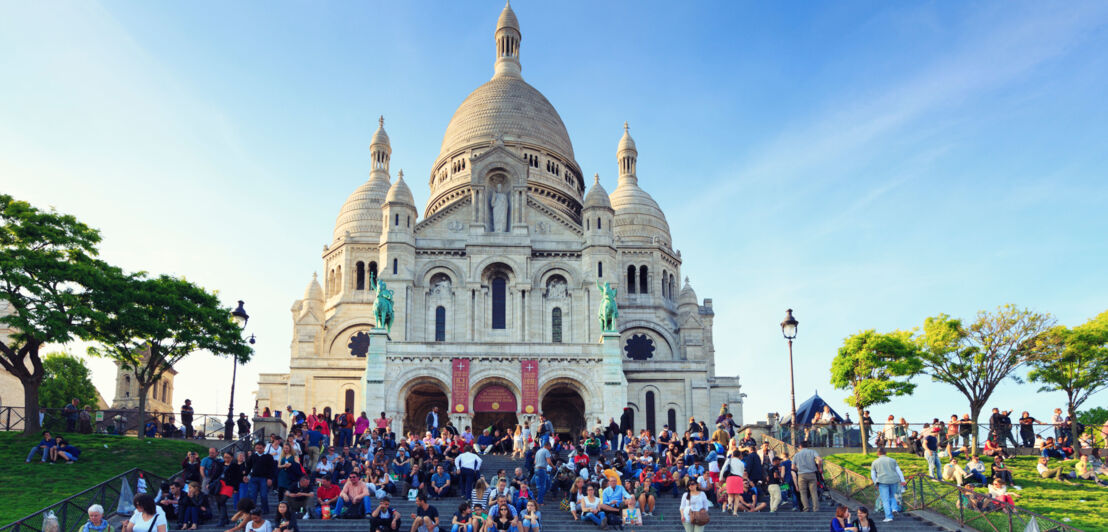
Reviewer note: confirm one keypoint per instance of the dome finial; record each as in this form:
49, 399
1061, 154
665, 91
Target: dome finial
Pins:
400, 175
625, 128
381, 121
596, 178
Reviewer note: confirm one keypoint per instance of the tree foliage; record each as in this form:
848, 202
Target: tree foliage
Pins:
976, 358
155, 322
1073, 361
66, 378
47, 262
875, 368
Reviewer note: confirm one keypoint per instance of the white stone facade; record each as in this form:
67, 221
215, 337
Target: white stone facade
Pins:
503, 268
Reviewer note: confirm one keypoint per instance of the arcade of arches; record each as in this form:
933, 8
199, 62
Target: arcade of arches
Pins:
495, 406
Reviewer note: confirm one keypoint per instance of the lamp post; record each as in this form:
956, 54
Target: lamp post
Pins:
788, 330
241, 317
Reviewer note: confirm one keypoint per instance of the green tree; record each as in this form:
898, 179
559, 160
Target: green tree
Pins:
66, 378
1094, 416
47, 261
1073, 361
975, 359
156, 322
875, 368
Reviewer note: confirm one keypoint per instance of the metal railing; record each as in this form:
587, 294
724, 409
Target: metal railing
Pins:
71, 512
966, 506
128, 422
848, 435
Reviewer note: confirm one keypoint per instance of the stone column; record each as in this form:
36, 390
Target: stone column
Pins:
615, 383
374, 378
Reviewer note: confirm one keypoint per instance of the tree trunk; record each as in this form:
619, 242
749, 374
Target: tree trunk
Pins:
142, 410
1073, 431
861, 418
31, 423
975, 412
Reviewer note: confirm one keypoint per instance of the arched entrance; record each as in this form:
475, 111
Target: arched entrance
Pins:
422, 397
494, 406
563, 405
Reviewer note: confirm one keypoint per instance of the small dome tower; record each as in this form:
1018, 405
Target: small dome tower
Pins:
507, 44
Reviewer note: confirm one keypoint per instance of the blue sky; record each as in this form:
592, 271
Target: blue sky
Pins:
868, 164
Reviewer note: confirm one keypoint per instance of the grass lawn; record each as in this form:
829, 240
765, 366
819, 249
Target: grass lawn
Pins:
1082, 502
26, 488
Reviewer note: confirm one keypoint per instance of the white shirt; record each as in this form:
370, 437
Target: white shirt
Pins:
735, 465
468, 460
691, 504
266, 526
143, 525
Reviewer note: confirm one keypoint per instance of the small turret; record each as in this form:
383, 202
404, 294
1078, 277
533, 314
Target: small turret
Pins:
507, 44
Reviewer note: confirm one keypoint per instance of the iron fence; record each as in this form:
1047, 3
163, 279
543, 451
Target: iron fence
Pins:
71, 512
964, 505
116, 421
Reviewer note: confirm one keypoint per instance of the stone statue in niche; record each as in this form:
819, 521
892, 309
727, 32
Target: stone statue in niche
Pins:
556, 289
499, 204
441, 287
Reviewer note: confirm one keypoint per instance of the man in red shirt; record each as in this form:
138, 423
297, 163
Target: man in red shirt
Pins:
327, 494
663, 480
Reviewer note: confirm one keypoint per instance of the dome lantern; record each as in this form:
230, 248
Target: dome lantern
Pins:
380, 149
507, 38
627, 155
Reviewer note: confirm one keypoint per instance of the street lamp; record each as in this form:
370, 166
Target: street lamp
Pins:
788, 330
241, 317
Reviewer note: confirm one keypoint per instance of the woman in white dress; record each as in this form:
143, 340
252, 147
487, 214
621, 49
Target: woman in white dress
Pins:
693, 500
518, 443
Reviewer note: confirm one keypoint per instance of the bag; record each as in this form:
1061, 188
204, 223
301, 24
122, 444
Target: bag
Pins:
564, 505
50, 522
412, 494
699, 517
226, 489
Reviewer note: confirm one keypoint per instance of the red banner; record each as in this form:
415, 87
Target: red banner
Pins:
494, 398
530, 388
459, 387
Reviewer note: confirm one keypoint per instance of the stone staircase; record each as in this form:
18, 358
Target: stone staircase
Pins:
666, 515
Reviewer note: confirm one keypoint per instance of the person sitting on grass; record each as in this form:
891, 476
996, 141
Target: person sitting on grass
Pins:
975, 470
44, 447
1051, 450
953, 473
1085, 471
993, 449
1000, 470
62, 450
1050, 472
998, 490
96, 521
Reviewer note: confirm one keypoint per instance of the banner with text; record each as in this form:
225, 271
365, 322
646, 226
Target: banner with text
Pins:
459, 387
494, 398
530, 389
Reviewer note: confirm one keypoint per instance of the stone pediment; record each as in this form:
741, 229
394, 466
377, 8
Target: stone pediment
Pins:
450, 222
690, 322
546, 224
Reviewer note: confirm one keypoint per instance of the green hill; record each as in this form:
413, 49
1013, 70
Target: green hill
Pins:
26, 488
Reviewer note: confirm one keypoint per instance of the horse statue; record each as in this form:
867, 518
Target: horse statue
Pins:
608, 309
382, 307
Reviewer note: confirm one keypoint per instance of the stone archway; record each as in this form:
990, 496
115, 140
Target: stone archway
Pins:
564, 406
495, 406
420, 398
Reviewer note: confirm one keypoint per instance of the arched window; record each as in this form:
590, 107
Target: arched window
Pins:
598, 224
671, 419
630, 279
165, 391
440, 324
650, 412
587, 222
409, 222
600, 269
664, 283
499, 302
644, 284
126, 386
338, 279
349, 400
672, 286
372, 276
154, 391
397, 222
556, 325
395, 266
359, 275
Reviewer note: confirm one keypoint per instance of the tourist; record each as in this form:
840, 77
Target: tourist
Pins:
863, 523
43, 447
257, 523
243, 426
1027, 429
327, 495
192, 507
931, 451
384, 518
426, 517
84, 421
71, 412
692, 501
975, 470
530, 518
541, 478
468, 465
300, 497
841, 521
260, 468
732, 474
1058, 421
148, 516
285, 518
632, 515
186, 418
646, 495
96, 522
1000, 470
806, 463
190, 468
1050, 472
462, 519
953, 473
62, 450
747, 501
1050, 449
998, 490
966, 430
361, 425
288, 470
354, 497
992, 448
1084, 471
440, 484
886, 474
169, 499
211, 468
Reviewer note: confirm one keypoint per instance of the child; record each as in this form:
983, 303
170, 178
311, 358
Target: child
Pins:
631, 514
531, 517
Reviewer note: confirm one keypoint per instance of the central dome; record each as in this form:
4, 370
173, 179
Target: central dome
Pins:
510, 107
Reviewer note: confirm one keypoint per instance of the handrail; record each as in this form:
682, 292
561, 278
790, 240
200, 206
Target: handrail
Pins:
113, 420
926, 493
106, 494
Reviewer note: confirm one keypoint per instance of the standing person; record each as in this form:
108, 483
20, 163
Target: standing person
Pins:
1027, 429
84, 421
867, 425
774, 478
382, 424
931, 452
886, 474
732, 471
96, 522
469, 467
71, 412
260, 468
693, 500
1058, 421
626, 426
186, 418
612, 434
806, 463
541, 478
243, 425
361, 425
432, 421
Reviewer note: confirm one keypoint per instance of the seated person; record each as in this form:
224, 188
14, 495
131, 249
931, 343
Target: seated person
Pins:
96, 521
462, 521
1084, 471
43, 447
632, 515
1051, 450
440, 483
998, 490
1050, 472
1000, 470
354, 497
384, 518
502, 516
300, 497
64, 451
168, 499
975, 470
646, 496
953, 473
992, 449
530, 518
748, 499
484, 442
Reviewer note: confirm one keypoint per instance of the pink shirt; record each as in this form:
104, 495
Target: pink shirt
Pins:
361, 425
